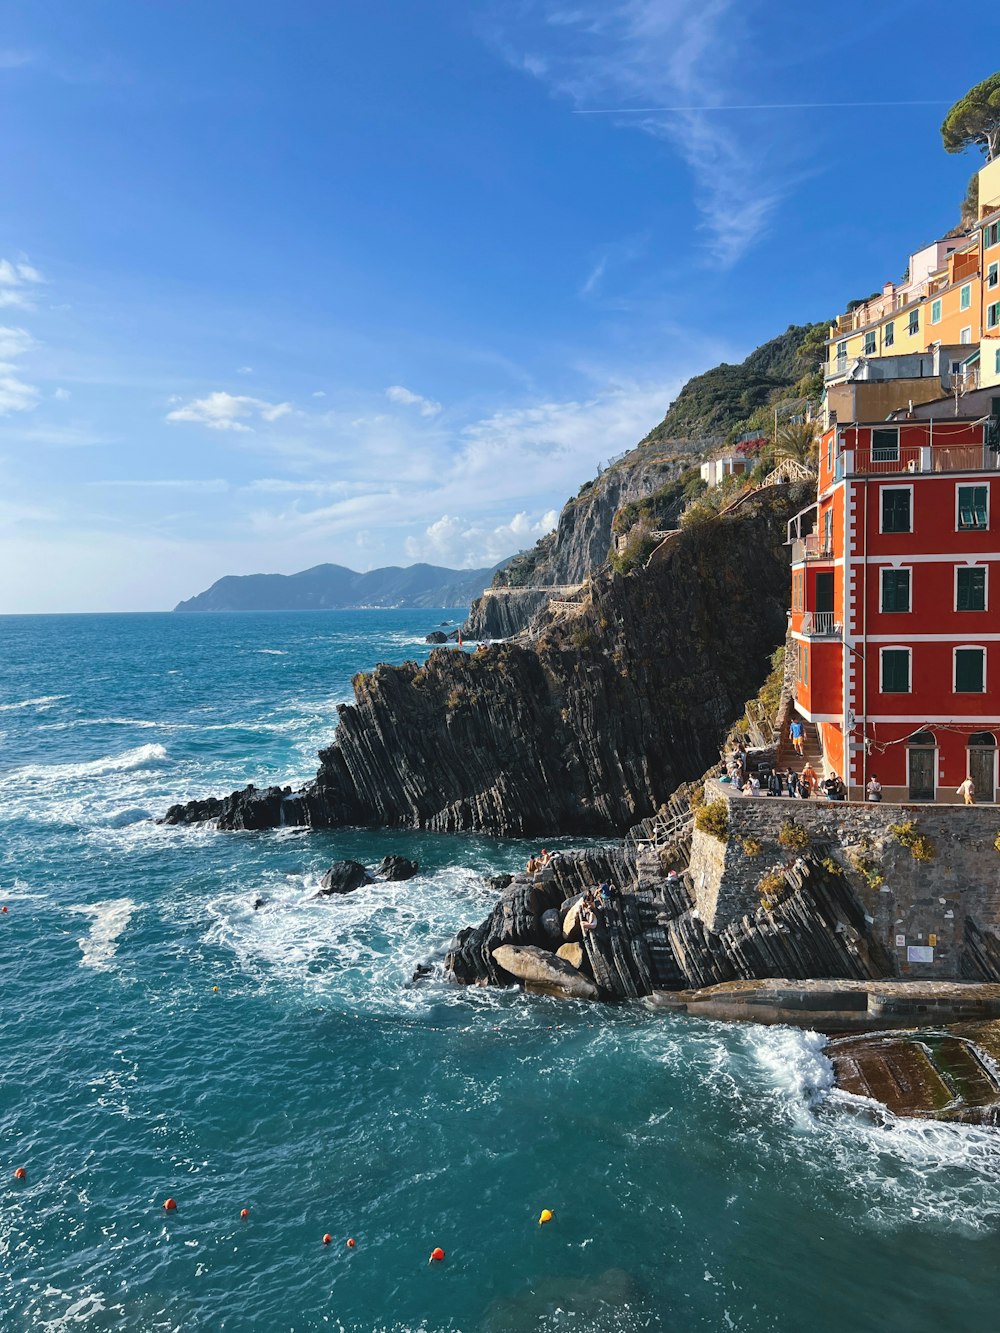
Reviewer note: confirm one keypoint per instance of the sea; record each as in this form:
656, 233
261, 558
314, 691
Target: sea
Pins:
163, 1038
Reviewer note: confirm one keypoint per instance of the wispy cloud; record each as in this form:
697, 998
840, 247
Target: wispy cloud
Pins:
213, 486
15, 394
228, 411
662, 54
13, 59
18, 278
459, 543
427, 407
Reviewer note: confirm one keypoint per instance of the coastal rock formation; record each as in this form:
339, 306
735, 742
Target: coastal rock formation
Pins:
544, 971
396, 868
587, 729
344, 877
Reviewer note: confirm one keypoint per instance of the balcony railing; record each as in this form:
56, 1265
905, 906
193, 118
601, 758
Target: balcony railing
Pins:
866, 461
811, 547
821, 625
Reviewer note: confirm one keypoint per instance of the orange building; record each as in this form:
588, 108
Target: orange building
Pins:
895, 617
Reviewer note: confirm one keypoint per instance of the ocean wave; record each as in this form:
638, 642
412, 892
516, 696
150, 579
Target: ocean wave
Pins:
141, 724
44, 701
273, 652
143, 756
100, 944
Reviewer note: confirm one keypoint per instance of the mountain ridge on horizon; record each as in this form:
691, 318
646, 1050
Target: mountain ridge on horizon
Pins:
333, 587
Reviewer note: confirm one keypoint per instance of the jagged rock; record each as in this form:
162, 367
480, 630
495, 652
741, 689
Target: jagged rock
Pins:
500, 882
396, 867
544, 969
436, 636
571, 928
573, 953
587, 729
343, 877
552, 923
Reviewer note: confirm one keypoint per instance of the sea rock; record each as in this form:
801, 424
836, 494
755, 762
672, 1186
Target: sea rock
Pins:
343, 877
500, 882
571, 928
436, 636
546, 970
552, 923
573, 954
396, 867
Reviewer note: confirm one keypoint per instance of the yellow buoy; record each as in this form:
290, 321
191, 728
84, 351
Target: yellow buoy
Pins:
545, 1216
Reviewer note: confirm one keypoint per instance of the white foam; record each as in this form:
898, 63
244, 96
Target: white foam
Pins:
143, 756
273, 652
42, 702
109, 920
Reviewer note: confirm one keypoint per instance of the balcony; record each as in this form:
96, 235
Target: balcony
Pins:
821, 625
867, 462
811, 547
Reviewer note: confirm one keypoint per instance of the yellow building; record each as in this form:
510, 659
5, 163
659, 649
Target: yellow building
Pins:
988, 236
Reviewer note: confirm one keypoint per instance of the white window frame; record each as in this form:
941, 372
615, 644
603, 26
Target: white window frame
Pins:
965, 297
966, 648
993, 315
968, 486
893, 569
965, 336
993, 275
986, 587
896, 648
899, 486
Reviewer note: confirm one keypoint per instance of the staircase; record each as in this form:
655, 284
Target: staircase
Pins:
812, 751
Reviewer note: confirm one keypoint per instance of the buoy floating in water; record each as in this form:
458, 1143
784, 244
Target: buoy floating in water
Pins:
170, 1205
20, 1174
544, 1216
327, 1238
4, 908
215, 989
244, 1213
437, 1255
350, 1242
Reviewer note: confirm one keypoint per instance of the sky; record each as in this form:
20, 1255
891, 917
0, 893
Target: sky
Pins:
378, 281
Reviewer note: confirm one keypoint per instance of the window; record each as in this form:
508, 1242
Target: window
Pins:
970, 670
889, 336
973, 504
829, 453
936, 311
895, 590
896, 509
993, 315
803, 664
992, 234
914, 322
993, 275
970, 588
996, 361
828, 531
885, 446
895, 670
869, 343
842, 351
965, 297
966, 335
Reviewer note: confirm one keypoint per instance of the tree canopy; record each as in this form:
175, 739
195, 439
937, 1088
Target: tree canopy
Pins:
974, 120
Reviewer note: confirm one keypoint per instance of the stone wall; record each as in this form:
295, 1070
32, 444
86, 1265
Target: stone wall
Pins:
931, 915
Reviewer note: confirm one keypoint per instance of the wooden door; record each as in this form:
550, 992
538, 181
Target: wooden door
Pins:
922, 762
982, 766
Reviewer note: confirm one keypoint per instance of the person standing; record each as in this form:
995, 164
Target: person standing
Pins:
774, 783
873, 792
967, 791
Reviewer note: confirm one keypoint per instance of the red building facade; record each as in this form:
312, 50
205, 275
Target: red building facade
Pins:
895, 616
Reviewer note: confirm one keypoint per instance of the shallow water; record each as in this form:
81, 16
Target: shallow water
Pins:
702, 1176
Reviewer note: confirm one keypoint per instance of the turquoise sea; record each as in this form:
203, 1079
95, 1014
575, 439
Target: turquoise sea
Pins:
701, 1176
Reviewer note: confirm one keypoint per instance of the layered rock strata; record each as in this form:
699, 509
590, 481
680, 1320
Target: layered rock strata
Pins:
586, 729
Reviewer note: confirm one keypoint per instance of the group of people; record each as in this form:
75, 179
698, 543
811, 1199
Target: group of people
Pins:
782, 782
539, 862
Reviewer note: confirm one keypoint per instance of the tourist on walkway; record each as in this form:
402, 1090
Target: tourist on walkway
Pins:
774, 785
796, 732
873, 792
793, 782
967, 791
754, 785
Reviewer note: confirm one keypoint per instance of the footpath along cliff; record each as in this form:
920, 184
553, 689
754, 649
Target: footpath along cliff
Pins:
586, 727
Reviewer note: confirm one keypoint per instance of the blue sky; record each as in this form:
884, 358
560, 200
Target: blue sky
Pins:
374, 281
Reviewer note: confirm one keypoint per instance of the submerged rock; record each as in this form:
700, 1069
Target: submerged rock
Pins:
344, 877
396, 867
545, 971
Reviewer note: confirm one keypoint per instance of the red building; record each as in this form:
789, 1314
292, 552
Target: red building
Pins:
895, 614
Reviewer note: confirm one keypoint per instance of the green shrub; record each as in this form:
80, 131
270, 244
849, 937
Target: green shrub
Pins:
752, 847
869, 870
793, 837
771, 888
996, 842
908, 835
713, 818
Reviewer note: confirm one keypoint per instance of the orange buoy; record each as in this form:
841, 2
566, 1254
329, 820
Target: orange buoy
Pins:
244, 1213
170, 1205
350, 1242
437, 1255
544, 1216
215, 990
20, 1174
327, 1238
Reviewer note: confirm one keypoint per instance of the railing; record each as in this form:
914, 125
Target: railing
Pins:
811, 547
821, 625
866, 461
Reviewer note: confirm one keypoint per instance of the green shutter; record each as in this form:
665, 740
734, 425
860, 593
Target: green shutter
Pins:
969, 670
896, 510
973, 507
895, 671
896, 590
971, 590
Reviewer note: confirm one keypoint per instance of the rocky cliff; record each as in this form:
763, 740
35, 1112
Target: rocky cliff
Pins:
588, 728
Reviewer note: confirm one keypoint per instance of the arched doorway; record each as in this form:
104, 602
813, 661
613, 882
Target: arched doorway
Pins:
921, 765
983, 764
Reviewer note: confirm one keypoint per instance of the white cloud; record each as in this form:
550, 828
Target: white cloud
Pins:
227, 411
460, 544
244, 370
319, 393
17, 277
651, 53
213, 486
427, 407
61, 395
15, 395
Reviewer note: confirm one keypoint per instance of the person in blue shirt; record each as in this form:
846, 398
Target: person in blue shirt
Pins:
796, 733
